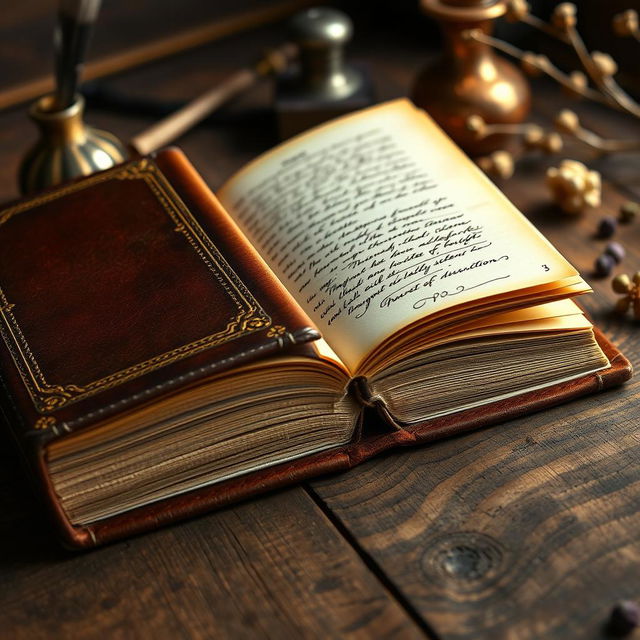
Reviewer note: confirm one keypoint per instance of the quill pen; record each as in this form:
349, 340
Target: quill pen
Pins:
75, 23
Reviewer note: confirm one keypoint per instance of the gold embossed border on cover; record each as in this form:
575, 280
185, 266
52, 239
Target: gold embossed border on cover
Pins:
248, 315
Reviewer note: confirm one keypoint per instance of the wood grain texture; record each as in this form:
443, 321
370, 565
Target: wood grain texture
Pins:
525, 530
528, 529
272, 568
124, 34
223, 26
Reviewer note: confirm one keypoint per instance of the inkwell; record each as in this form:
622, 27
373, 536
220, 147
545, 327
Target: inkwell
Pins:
67, 147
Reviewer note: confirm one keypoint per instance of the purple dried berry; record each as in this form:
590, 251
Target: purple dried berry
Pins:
616, 251
625, 617
604, 265
607, 227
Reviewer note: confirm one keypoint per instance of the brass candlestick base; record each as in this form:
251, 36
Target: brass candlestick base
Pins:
469, 78
67, 147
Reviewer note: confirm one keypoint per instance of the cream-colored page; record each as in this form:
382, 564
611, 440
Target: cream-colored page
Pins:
376, 220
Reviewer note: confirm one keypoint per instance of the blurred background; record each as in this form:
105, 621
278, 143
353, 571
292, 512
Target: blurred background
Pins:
139, 95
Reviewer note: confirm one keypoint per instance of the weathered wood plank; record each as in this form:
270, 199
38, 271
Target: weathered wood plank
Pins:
271, 568
528, 529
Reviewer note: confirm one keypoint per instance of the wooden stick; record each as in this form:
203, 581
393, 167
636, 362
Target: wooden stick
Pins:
173, 126
158, 49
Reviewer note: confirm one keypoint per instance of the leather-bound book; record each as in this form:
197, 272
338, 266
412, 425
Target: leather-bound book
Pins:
165, 351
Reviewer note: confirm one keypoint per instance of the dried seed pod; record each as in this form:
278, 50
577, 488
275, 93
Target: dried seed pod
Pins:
567, 121
564, 16
485, 163
503, 163
498, 164
623, 304
533, 136
470, 34
577, 84
625, 24
629, 211
604, 63
516, 10
530, 63
476, 125
551, 143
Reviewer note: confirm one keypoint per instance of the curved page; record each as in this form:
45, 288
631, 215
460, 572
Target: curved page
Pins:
377, 219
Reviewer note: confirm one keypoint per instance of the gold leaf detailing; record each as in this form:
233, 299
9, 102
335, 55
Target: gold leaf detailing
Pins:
276, 331
247, 317
134, 171
55, 396
256, 323
44, 423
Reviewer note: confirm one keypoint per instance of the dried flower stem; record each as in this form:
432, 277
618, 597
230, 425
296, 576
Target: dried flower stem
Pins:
541, 25
605, 145
617, 97
580, 133
610, 92
509, 129
546, 67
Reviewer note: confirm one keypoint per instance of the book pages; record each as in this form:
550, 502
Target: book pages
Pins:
377, 219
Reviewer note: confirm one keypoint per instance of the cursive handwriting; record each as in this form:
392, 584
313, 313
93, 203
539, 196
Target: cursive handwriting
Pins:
376, 221
358, 224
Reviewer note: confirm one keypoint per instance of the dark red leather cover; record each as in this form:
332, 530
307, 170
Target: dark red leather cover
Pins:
122, 286
101, 279
118, 288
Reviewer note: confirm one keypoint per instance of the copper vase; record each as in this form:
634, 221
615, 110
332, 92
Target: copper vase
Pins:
468, 77
67, 147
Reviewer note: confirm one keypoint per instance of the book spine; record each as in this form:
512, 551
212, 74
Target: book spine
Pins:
361, 391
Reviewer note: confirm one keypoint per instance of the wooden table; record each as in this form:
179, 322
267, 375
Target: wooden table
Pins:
529, 529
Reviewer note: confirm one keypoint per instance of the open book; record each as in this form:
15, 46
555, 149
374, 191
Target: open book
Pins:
432, 293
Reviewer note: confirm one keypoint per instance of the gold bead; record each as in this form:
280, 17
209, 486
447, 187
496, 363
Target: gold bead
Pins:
533, 135
485, 163
622, 305
621, 283
530, 63
552, 143
499, 164
516, 10
503, 164
471, 34
476, 124
604, 63
567, 121
625, 24
564, 16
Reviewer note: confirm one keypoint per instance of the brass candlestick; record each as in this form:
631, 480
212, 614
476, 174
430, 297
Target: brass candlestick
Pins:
469, 78
67, 147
